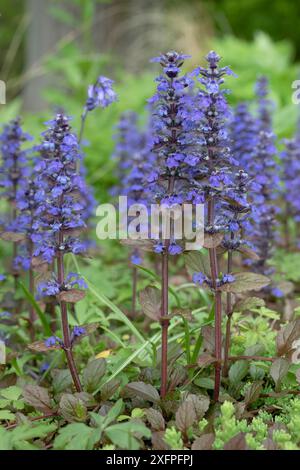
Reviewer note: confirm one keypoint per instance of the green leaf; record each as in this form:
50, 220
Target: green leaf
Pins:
248, 304
4, 403
93, 374
238, 371
268, 313
125, 364
245, 282
114, 412
33, 431
205, 382
38, 398
123, 435
5, 439
62, 380
72, 408
11, 393
76, 436
142, 390
7, 415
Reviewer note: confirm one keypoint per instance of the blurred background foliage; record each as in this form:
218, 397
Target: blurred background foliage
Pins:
51, 51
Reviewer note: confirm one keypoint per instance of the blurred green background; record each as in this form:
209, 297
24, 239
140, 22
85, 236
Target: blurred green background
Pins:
51, 51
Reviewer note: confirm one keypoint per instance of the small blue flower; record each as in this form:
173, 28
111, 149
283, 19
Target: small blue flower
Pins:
53, 341
175, 249
101, 94
44, 366
136, 258
159, 248
276, 292
74, 280
199, 278
227, 278
78, 331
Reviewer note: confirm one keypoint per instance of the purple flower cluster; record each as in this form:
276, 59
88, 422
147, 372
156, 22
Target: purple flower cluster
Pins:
28, 199
101, 94
59, 218
215, 171
290, 158
53, 341
264, 171
14, 169
201, 278
127, 139
60, 195
52, 287
134, 159
175, 142
220, 176
56, 341
243, 135
132, 156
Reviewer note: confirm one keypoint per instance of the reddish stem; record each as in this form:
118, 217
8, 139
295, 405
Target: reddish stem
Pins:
218, 305
32, 314
229, 313
164, 323
165, 306
64, 318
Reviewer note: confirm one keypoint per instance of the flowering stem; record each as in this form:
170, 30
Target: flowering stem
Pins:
134, 289
165, 306
14, 216
15, 273
164, 322
229, 313
83, 119
32, 315
64, 319
218, 305
286, 227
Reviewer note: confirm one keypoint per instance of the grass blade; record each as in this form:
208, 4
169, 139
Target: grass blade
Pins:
118, 312
38, 310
